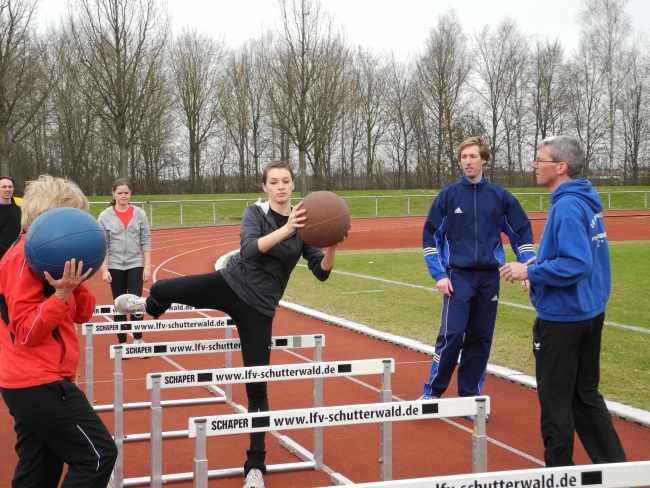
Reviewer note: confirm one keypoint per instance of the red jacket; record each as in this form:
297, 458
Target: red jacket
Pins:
38, 338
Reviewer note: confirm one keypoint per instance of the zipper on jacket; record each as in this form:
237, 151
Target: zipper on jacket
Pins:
475, 229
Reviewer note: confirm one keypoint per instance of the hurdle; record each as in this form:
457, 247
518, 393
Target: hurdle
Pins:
615, 475
318, 370
385, 412
94, 328
315, 341
209, 346
102, 310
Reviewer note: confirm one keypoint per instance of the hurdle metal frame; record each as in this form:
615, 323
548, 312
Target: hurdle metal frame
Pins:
315, 341
96, 328
155, 382
220, 425
614, 475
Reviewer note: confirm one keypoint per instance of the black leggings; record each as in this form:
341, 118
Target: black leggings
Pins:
210, 290
126, 281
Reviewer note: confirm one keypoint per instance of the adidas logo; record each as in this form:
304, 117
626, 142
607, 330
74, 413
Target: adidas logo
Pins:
495, 299
458, 210
536, 345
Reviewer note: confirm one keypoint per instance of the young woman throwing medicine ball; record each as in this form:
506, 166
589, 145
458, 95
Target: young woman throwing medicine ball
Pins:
249, 288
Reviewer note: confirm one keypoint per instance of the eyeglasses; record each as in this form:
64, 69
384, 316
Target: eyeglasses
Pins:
543, 161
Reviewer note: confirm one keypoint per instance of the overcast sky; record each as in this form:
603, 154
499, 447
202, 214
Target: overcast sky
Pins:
399, 26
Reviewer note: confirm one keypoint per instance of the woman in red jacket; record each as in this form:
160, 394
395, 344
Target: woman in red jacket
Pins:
39, 355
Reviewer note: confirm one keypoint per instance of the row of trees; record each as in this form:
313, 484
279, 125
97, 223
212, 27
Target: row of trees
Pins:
109, 92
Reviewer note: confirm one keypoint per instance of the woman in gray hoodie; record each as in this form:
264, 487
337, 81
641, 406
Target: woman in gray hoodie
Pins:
128, 258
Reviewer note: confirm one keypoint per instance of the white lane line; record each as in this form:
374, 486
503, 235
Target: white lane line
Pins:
363, 291
501, 302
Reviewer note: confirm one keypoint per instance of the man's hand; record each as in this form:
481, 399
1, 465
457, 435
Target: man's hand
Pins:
517, 272
444, 286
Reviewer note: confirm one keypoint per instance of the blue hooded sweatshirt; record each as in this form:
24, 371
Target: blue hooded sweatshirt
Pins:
571, 279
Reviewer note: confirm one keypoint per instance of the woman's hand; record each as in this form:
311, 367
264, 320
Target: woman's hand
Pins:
330, 255
106, 276
146, 274
297, 218
72, 277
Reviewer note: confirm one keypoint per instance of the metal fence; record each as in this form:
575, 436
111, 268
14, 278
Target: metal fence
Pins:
193, 213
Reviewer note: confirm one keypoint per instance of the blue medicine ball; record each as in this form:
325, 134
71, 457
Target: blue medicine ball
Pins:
61, 234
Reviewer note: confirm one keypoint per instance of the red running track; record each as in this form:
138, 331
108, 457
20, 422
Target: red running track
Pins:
420, 448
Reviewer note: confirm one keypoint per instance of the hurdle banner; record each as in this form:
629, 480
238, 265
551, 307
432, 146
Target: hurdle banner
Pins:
315, 371
315, 341
120, 351
209, 346
102, 310
615, 475
92, 328
157, 325
385, 413
269, 373
336, 416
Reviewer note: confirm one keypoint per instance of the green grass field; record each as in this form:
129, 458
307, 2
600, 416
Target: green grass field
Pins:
200, 210
415, 313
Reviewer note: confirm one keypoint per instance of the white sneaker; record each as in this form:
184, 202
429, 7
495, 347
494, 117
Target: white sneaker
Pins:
254, 479
128, 304
425, 398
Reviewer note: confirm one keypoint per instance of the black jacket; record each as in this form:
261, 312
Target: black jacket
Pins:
258, 278
9, 225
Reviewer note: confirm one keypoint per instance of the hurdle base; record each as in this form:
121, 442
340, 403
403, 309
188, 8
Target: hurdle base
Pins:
219, 473
109, 407
171, 434
296, 449
338, 479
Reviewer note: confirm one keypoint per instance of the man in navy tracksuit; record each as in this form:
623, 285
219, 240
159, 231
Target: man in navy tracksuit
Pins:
569, 288
463, 251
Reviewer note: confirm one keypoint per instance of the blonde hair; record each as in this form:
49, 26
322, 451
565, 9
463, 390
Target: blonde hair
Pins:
47, 193
483, 149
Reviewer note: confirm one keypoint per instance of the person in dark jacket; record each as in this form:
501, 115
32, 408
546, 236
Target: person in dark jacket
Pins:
463, 251
570, 283
9, 214
128, 248
249, 288
39, 357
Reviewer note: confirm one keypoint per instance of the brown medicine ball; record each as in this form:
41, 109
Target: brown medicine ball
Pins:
328, 219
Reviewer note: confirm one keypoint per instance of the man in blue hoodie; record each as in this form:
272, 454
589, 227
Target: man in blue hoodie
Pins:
569, 286
463, 251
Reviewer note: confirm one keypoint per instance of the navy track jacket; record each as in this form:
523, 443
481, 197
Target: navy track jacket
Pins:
464, 226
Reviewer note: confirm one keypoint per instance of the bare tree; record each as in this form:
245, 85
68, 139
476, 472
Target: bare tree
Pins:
305, 43
635, 112
325, 110
400, 101
151, 154
585, 84
371, 95
547, 88
605, 28
197, 63
443, 69
120, 43
496, 54
73, 122
27, 75
515, 117
351, 130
